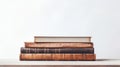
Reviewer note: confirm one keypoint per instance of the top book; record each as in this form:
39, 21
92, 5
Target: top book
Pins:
62, 39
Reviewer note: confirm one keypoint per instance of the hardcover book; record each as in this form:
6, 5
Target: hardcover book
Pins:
59, 57
57, 50
61, 39
59, 45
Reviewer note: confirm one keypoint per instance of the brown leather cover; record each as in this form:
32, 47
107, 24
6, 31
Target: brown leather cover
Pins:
77, 57
90, 56
68, 56
57, 57
37, 57
46, 56
59, 45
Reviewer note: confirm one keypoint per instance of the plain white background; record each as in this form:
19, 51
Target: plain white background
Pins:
21, 20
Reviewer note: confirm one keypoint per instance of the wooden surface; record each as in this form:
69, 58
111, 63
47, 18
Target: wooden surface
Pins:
98, 62
59, 65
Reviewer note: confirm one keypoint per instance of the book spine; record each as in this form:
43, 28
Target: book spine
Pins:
56, 57
62, 39
57, 50
58, 45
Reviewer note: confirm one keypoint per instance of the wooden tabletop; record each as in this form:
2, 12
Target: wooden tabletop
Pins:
97, 62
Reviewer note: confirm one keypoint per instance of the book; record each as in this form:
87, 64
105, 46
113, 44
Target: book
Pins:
61, 39
59, 45
57, 50
59, 57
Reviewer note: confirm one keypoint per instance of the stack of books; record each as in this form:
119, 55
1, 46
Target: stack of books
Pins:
59, 48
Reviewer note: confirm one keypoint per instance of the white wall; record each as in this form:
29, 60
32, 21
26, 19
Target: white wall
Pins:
21, 20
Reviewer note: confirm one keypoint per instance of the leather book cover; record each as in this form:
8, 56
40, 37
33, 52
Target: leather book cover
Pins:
89, 56
68, 57
59, 45
59, 57
77, 57
58, 50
